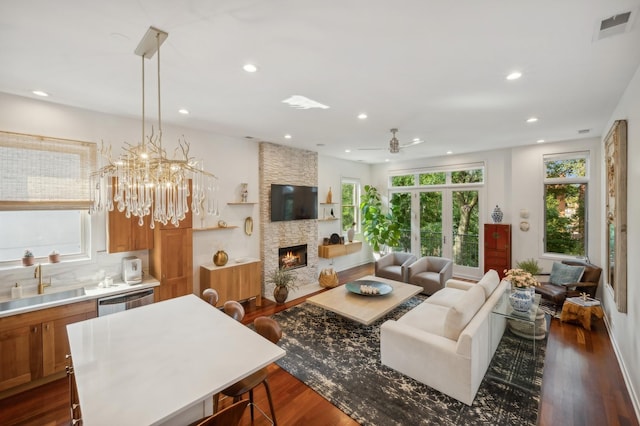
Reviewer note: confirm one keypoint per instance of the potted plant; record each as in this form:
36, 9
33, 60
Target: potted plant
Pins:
529, 265
27, 258
379, 229
283, 280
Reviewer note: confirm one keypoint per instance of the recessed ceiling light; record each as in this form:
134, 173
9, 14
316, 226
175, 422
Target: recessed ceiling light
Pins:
347, 150
540, 141
514, 75
417, 140
386, 160
362, 116
532, 119
449, 152
183, 111
40, 93
250, 68
287, 136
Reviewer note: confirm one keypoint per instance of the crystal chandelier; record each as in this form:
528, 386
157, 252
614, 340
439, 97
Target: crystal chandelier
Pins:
143, 180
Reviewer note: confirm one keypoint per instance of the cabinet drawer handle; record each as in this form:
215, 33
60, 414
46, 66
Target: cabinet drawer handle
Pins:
35, 329
46, 327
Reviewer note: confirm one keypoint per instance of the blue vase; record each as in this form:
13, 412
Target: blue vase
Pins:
521, 300
497, 215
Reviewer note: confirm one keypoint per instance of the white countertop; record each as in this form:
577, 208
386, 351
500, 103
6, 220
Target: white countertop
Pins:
91, 292
145, 365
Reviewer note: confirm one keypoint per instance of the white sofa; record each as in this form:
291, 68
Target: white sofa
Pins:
447, 341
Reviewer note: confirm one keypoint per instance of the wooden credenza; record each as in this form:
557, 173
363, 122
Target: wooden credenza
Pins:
335, 250
497, 247
233, 281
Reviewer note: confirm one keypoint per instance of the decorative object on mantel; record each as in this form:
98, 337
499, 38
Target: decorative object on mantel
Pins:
222, 224
28, 258
244, 192
522, 282
330, 198
54, 257
497, 215
220, 258
143, 180
284, 280
248, 225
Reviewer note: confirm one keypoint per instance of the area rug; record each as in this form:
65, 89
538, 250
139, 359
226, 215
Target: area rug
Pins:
550, 308
340, 359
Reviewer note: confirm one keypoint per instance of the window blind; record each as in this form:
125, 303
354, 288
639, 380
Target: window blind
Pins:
43, 173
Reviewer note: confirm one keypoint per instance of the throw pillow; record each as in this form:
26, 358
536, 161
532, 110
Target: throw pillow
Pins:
562, 274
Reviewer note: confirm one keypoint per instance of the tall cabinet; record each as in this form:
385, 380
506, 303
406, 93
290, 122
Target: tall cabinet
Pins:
171, 259
497, 247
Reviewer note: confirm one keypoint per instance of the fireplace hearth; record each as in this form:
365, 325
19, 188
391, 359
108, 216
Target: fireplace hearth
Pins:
292, 257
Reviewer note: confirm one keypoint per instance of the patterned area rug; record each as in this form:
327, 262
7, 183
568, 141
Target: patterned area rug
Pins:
550, 308
340, 360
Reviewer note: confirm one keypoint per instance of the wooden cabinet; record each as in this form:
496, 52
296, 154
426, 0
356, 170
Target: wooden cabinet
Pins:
238, 281
34, 345
171, 262
125, 234
335, 250
497, 247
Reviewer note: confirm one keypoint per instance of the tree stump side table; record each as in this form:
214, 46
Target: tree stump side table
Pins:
574, 312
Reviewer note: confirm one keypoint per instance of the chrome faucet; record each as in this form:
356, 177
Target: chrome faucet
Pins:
37, 273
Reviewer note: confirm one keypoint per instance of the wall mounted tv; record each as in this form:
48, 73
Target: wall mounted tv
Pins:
293, 202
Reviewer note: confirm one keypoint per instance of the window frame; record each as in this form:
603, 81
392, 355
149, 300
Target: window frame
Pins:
356, 206
576, 180
77, 202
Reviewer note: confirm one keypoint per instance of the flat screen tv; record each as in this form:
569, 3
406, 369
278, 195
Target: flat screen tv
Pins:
293, 202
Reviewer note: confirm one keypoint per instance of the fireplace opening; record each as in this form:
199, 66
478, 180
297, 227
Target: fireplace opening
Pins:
292, 257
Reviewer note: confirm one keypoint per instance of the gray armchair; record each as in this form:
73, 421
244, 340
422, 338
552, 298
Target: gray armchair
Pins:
394, 265
430, 272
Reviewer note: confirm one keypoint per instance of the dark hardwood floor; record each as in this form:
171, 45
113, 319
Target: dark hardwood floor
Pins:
582, 384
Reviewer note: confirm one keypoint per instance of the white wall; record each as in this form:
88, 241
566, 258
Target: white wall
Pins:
623, 328
330, 173
233, 160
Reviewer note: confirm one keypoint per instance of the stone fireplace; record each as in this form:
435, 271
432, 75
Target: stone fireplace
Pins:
292, 257
286, 165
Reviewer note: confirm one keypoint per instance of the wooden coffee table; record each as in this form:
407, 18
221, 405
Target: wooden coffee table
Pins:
361, 308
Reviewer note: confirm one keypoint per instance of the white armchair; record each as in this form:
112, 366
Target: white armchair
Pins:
430, 272
394, 265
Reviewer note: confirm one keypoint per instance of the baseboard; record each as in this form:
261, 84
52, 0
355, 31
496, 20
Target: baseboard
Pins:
633, 395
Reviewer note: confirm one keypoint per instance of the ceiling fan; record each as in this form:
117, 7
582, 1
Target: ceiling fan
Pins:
394, 143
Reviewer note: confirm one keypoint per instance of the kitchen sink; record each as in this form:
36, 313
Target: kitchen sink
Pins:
40, 299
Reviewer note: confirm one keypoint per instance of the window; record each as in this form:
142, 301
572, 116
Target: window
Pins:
565, 199
44, 196
350, 204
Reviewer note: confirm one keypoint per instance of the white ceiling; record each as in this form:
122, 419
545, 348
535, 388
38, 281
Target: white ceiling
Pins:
434, 69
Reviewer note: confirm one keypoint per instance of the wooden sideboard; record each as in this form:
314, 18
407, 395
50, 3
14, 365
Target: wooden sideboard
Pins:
335, 250
233, 281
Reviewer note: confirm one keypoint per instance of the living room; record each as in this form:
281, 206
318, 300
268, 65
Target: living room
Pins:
513, 181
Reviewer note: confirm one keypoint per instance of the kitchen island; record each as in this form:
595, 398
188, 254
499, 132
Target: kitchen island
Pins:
161, 363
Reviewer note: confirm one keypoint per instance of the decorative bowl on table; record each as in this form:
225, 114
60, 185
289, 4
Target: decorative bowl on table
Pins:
368, 288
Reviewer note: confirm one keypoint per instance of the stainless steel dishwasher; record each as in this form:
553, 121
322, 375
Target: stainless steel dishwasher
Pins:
122, 302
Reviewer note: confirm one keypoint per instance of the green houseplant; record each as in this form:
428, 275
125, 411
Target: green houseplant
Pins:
283, 280
379, 229
529, 265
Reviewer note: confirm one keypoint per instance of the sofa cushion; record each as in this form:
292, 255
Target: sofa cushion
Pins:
489, 282
446, 297
562, 274
462, 312
426, 317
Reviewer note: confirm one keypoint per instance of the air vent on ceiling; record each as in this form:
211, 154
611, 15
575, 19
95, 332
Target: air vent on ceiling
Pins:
583, 131
613, 25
